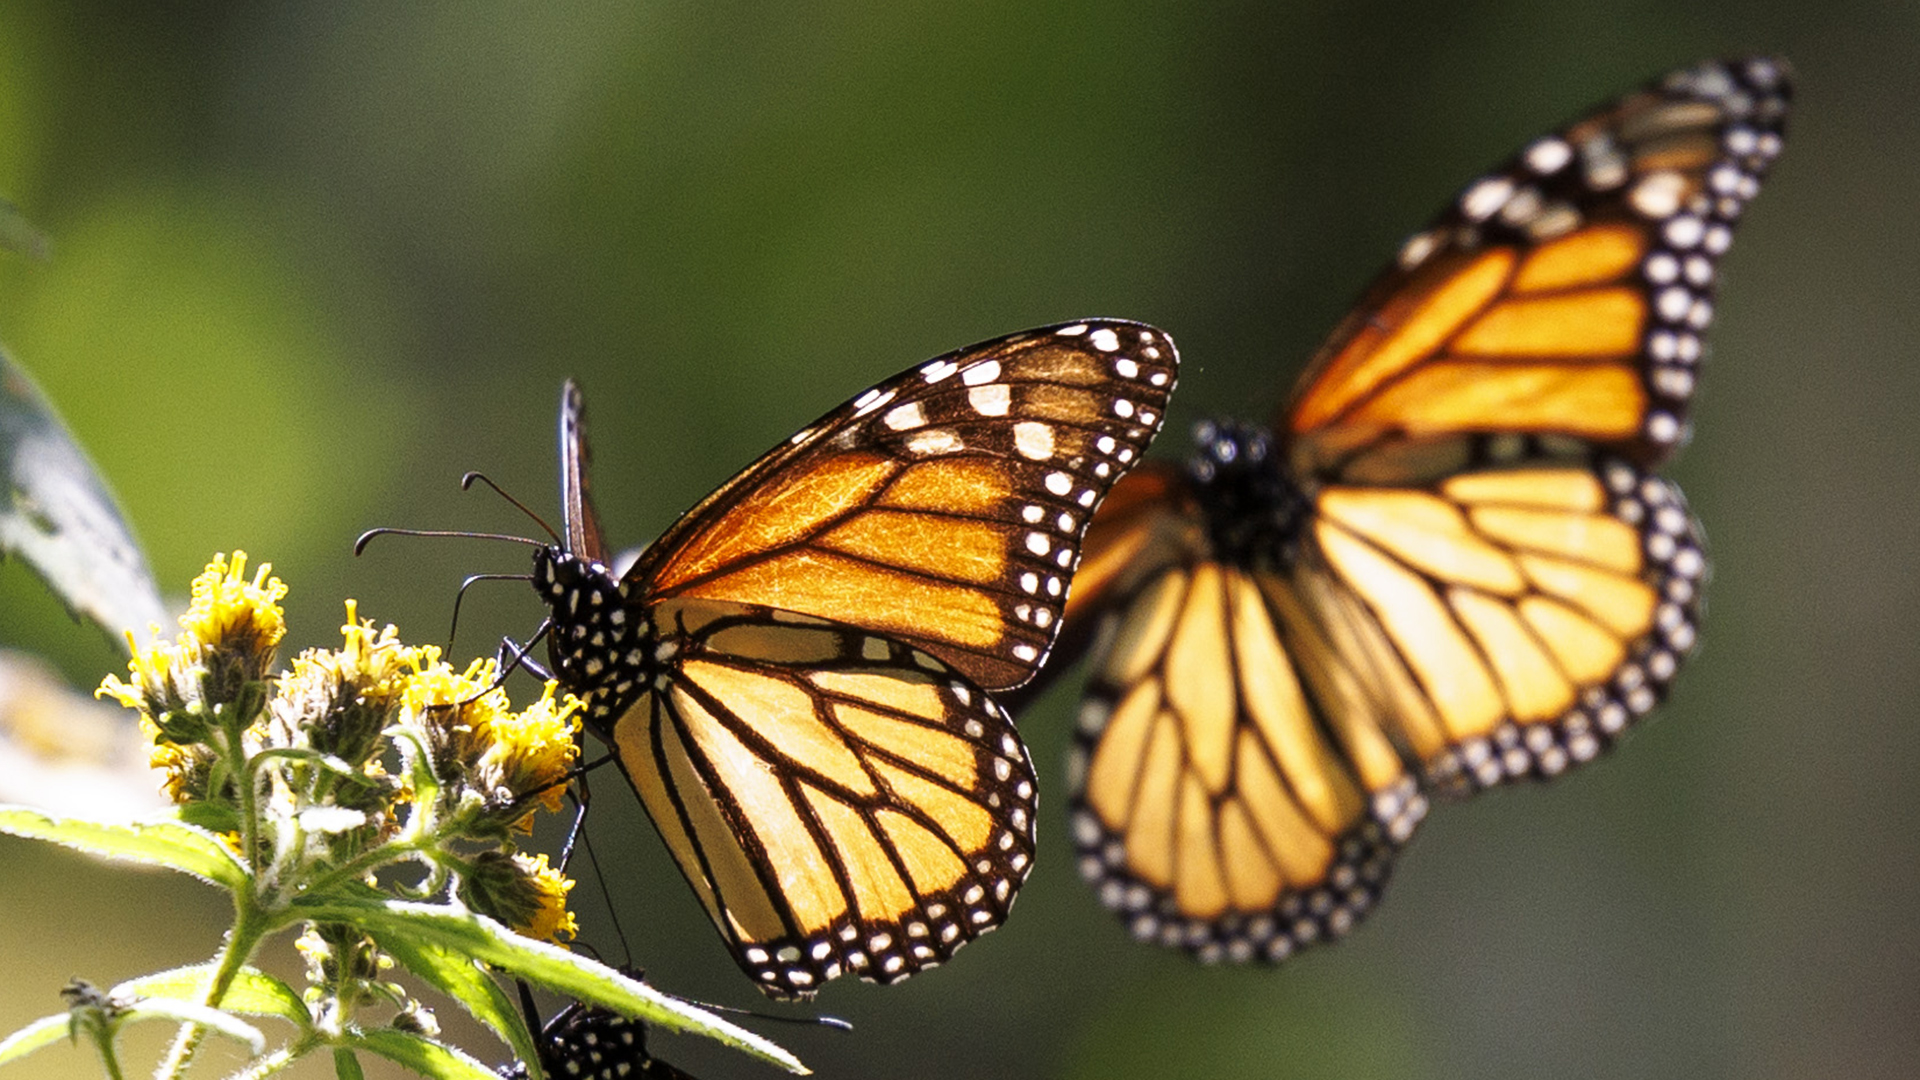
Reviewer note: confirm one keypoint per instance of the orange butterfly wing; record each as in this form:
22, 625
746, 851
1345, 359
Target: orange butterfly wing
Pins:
1563, 294
944, 507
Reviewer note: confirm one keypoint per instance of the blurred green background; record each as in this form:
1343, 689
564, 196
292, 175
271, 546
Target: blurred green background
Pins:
312, 261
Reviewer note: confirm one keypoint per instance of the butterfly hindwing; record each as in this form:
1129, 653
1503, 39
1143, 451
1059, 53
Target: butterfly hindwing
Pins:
1566, 292
840, 802
1216, 806
943, 507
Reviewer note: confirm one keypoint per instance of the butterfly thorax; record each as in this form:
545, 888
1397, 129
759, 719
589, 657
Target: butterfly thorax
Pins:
602, 647
1254, 513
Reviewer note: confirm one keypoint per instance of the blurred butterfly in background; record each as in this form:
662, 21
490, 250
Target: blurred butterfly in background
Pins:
592, 1043
1445, 567
794, 677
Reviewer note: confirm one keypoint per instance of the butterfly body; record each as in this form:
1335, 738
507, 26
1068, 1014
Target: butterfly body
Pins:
1446, 565
584, 1042
795, 676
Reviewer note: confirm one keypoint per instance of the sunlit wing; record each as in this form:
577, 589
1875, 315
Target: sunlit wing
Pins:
1233, 791
840, 802
1564, 294
944, 507
1515, 619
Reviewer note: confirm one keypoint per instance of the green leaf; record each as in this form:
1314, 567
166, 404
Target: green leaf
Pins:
59, 516
346, 1066
173, 844
481, 938
421, 1054
42, 1032
218, 1021
460, 978
252, 991
211, 816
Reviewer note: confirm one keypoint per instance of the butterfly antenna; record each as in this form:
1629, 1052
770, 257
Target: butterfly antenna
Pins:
467, 482
833, 1022
360, 545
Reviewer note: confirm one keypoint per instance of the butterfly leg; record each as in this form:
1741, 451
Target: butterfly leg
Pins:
513, 656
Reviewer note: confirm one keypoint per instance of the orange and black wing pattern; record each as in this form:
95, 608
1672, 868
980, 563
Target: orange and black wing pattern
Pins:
1564, 294
943, 507
1449, 566
1520, 616
840, 802
794, 676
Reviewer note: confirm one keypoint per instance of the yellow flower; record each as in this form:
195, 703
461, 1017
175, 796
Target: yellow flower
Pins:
227, 640
188, 766
338, 701
236, 614
167, 677
530, 754
522, 891
456, 708
550, 921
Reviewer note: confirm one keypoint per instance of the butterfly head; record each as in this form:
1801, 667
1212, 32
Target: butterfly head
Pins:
1253, 511
600, 645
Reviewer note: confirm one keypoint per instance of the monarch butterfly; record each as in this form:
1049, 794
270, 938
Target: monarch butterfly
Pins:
1447, 566
794, 676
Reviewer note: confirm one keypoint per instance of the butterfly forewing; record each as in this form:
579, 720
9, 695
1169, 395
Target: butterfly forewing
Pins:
841, 802
1565, 293
944, 507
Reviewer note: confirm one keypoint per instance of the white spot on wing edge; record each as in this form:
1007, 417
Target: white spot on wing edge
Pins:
984, 372
871, 400
1104, 339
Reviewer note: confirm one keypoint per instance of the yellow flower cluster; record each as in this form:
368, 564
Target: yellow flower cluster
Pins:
493, 766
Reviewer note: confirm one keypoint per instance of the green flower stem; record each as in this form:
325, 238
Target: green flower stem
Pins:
237, 716
248, 930
102, 1035
250, 926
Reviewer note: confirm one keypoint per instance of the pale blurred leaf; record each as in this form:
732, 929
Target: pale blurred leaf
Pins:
60, 517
